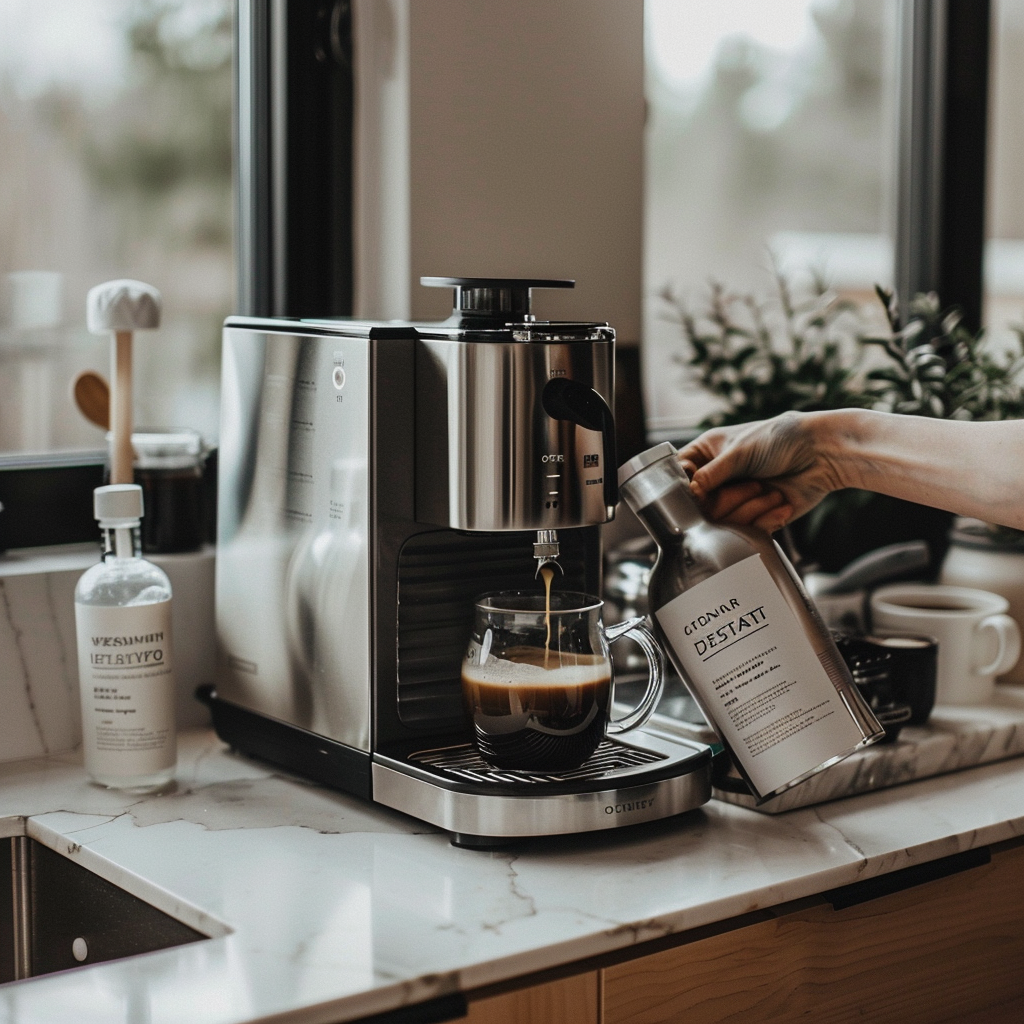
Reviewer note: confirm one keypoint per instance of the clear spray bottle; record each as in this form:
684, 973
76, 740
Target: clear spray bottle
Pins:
126, 679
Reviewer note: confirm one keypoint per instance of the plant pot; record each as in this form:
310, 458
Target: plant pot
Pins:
850, 523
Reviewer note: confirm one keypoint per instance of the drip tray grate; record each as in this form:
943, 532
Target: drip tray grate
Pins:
464, 762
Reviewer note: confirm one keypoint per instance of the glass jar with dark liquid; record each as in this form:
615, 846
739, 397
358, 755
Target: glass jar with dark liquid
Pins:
169, 468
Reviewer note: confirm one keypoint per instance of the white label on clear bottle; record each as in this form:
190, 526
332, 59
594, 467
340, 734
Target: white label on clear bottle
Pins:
742, 648
126, 682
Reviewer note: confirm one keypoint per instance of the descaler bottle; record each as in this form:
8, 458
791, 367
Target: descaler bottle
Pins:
747, 641
126, 680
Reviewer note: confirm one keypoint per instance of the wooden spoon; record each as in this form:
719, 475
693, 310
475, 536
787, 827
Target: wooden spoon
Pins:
92, 396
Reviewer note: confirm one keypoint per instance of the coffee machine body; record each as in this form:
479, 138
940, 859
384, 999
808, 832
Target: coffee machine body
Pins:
374, 480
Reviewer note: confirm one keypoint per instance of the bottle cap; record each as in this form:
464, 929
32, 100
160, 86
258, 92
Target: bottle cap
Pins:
645, 459
117, 505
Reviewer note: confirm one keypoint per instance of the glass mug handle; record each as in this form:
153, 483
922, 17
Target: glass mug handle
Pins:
638, 630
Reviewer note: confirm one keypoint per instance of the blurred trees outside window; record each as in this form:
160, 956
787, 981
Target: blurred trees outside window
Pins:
770, 145
771, 138
115, 161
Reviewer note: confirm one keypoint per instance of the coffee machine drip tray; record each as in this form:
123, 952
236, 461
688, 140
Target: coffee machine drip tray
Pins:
610, 760
648, 778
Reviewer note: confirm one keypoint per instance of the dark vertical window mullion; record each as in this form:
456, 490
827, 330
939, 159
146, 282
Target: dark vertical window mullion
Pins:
961, 260
294, 131
943, 114
252, 158
919, 181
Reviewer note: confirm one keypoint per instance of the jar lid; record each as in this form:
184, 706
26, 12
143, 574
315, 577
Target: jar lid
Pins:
174, 448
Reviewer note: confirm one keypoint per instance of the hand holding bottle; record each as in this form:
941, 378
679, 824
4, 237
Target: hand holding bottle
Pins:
770, 472
763, 474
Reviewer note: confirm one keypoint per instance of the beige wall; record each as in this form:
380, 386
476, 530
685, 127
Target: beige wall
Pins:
526, 148
381, 165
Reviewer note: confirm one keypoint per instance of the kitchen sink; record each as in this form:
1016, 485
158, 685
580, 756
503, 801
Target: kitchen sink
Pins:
56, 914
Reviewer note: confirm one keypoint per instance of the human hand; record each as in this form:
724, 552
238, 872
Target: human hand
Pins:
761, 474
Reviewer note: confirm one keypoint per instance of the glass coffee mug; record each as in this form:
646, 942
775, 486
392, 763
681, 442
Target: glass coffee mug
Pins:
537, 685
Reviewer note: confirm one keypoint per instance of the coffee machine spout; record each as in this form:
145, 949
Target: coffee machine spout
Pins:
546, 550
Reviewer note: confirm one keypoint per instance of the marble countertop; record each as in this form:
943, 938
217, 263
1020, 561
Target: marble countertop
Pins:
324, 908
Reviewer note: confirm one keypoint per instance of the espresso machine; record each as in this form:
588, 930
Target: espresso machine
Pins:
374, 479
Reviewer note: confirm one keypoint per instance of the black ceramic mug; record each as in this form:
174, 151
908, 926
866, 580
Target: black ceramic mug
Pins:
913, 665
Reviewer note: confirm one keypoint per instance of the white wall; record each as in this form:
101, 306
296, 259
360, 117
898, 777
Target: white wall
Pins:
526, 149
381, 164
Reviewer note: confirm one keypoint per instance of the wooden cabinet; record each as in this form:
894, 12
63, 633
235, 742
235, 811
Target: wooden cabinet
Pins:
940, 951
951, 949
567, 1001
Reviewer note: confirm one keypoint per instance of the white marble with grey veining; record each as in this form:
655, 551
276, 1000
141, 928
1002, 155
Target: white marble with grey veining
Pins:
38, 651
324, 908
38, 656
953, 738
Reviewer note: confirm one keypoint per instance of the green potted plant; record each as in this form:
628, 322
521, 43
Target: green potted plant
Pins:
818, 352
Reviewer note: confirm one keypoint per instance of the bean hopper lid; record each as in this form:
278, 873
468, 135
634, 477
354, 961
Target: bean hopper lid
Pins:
499, 309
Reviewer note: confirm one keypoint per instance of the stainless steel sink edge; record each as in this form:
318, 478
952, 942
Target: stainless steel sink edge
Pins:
67, 907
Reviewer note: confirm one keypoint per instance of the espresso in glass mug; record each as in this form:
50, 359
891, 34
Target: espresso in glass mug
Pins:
537, 682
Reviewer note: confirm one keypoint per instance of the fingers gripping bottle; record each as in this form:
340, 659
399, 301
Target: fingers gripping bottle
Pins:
739, 628
126, 680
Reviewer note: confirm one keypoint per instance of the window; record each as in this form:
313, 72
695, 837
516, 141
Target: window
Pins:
1004, 249
770, 134
115, 161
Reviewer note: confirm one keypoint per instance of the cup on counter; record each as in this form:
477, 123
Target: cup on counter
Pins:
990, 558
977, 639
912, 662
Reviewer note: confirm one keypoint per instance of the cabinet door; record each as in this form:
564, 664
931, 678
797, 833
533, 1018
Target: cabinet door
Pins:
568, 1001
937, 952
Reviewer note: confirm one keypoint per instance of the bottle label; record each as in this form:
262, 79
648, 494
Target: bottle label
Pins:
126, 682
740, 646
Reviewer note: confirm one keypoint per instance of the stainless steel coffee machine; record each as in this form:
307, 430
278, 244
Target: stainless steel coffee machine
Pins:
375, 478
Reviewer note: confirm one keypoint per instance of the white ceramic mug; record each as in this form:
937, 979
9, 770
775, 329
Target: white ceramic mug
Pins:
977, 639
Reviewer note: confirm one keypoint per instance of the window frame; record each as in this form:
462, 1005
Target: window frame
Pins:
944, 94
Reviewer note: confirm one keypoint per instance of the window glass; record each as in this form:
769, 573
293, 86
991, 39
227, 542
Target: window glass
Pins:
1004, 248
115, 161
770, 141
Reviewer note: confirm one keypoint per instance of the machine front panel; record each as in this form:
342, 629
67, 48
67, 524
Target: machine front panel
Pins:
293, 570
489, 456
